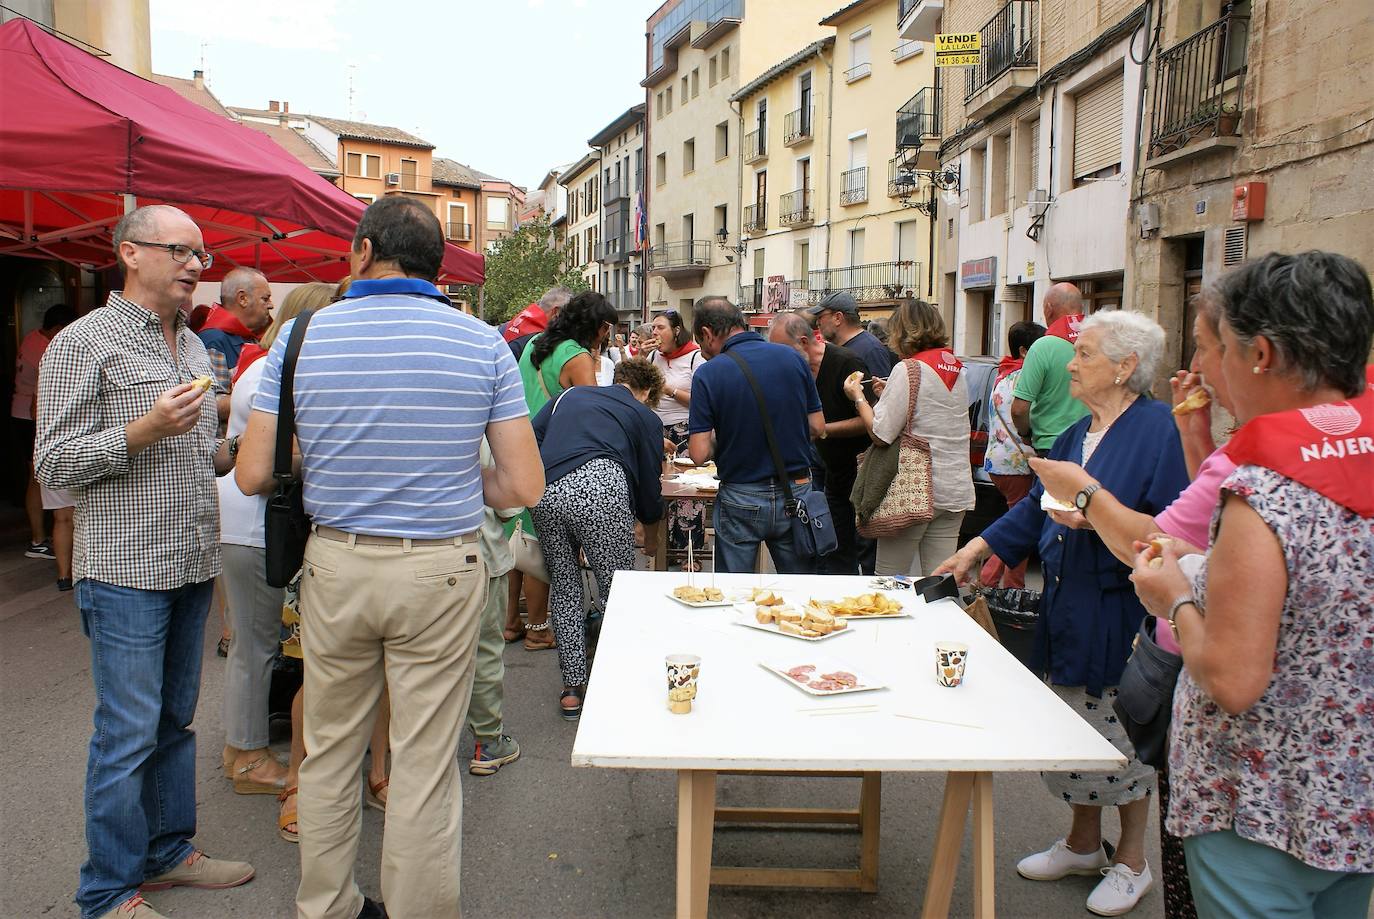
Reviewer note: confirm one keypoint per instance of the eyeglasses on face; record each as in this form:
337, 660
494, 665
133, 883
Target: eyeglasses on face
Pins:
180, 253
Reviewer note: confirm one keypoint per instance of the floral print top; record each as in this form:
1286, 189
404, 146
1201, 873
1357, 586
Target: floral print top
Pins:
1296, 771
1002, 457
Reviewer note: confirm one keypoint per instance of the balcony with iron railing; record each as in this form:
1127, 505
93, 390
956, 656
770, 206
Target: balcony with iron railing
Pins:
796, 127
755, 146
858, 72
866, 283
919, 19
1006, 65
918, 120
689, 254
794, 208
459, 231
1199, 92
854, 186
756, 217
751, 297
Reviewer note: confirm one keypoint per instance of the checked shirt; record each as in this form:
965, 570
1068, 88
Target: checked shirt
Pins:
151, 521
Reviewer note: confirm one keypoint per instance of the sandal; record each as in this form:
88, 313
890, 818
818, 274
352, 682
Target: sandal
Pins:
288, 817
574, 711
513, 634
538, 637
245, 785
374, 794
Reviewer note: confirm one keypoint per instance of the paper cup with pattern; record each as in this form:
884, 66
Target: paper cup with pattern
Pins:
683, 670
950, 658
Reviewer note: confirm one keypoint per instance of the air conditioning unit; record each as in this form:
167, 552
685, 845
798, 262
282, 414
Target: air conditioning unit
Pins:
393, 178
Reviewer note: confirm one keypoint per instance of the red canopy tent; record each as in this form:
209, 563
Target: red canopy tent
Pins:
82, 140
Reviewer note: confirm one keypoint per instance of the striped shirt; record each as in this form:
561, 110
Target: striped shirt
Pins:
151, 521
394, 389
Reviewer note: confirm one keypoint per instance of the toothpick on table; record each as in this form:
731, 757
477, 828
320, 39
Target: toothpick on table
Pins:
957, 724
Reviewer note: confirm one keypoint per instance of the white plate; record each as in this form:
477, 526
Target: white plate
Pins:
902, 613
704, 604
683, 461
781, 668
747, 619
1049, 502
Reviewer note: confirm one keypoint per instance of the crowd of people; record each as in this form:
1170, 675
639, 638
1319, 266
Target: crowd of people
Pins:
470, 487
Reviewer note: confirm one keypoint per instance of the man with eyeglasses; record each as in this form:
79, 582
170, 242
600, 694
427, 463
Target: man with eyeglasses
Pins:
123, 424
244, 312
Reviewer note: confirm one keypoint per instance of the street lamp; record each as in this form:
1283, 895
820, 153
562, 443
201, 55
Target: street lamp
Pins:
722, 240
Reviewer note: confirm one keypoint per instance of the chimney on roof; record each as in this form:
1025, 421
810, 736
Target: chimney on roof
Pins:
198, 76
285, 106
274, 106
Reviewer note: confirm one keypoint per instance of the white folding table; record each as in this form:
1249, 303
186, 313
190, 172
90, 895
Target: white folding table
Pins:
746, 719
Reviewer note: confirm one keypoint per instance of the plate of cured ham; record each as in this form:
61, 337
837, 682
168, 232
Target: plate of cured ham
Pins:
822, 678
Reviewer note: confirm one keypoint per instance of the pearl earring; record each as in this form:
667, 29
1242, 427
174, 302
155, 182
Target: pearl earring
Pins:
1117, 381
1255, 370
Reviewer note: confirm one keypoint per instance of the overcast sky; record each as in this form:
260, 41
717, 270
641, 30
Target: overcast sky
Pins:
510, 87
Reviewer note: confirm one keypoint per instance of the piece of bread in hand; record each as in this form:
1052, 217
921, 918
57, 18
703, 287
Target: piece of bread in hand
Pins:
203, 383
1195, 400
1158, 546
854, 377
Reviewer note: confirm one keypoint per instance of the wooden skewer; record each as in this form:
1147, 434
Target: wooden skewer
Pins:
840, 708
957, 724
1011, 432
851, 711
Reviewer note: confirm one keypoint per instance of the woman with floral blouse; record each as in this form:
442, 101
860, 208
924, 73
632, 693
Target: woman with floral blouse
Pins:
1272, 742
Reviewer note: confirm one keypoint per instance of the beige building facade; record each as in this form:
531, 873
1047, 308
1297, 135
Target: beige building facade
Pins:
579, 182
619, 148
1270, 150
698, 53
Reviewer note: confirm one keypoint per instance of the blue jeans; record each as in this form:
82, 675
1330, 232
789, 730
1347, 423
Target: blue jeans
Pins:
1234, 878
146, 649
748, 514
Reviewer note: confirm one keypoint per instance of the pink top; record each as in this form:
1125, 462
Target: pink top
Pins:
1190, 516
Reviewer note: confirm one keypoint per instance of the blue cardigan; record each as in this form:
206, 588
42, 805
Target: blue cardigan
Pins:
1089, 612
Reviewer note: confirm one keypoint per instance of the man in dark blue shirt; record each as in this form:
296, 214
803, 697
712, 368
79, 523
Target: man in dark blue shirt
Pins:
724, 420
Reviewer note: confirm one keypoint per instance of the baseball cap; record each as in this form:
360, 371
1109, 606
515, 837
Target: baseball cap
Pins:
839, 302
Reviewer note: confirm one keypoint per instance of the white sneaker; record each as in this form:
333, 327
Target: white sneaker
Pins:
1119, 890
1060, 861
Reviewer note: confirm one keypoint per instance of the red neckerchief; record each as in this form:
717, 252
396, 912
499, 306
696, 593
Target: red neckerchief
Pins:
1329, 448
530, 320
685, 349
220, 318
250, 353
944, 363
1066, 327
1007, 366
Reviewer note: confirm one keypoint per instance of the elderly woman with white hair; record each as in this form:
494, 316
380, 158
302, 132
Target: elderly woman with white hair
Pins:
1130, 446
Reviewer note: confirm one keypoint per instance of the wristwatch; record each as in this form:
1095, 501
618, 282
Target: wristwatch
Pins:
1081, 499
234, 447
1181, 602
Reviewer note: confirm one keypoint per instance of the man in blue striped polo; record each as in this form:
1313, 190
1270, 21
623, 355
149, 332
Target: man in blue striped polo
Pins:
394, 390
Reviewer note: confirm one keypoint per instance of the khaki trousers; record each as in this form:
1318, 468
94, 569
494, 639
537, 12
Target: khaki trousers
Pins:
921, 547
408, 614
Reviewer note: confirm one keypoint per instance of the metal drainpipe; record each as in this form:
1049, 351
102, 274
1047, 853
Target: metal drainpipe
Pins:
739, 196
829, 154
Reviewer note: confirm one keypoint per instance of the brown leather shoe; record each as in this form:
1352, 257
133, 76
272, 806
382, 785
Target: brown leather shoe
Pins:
200, 870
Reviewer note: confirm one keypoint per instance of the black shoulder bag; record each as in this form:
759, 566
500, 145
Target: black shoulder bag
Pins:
285, 523
813, 530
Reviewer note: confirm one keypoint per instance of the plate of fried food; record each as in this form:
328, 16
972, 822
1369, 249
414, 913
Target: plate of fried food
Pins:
782, 618
690, 595
864, 606
821, 678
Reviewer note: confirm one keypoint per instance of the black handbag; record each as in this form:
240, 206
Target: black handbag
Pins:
285, 522
813, 529
1145, 696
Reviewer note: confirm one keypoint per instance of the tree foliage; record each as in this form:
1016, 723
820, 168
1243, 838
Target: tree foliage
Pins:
520, 268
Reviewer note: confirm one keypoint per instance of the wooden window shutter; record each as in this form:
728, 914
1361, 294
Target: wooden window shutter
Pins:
1097, 127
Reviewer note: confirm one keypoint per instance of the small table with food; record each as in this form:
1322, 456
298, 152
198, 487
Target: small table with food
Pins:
683, 481
754, 660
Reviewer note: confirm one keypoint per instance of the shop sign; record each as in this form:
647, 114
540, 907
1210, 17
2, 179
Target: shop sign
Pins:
978, 272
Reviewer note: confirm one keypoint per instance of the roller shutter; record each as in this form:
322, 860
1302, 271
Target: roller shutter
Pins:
1097, 127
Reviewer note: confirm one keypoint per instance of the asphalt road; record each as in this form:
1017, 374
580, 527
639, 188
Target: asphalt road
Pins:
541, 839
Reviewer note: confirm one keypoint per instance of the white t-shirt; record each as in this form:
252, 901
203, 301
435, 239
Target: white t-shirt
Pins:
677, 374
607, 370
942, 421
241, 515
26, 373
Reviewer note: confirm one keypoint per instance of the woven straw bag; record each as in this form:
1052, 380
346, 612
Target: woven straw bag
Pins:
910, 498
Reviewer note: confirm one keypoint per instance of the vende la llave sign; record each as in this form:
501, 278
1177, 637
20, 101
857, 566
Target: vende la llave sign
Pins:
958, 49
